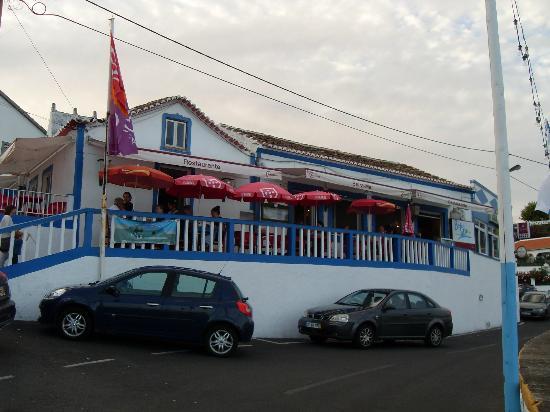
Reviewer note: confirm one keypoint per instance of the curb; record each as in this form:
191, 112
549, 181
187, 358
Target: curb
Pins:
527, 398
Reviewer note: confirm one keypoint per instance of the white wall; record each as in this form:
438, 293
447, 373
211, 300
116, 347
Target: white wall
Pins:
13, 124
279, 293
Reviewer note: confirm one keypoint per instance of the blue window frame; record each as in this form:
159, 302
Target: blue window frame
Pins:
176, 133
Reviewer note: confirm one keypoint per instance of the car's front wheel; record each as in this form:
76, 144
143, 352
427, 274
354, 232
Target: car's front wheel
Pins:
221, 341
364, 337
435, 336
75, 323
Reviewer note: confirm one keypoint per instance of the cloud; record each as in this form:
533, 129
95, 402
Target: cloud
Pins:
417, 65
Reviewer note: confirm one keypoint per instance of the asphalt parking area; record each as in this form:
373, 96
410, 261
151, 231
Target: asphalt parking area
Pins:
39, 370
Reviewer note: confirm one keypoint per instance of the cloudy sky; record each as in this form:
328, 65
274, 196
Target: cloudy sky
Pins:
417, 65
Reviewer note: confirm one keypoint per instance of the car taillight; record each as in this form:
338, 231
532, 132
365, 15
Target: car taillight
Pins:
244, 308
3, 277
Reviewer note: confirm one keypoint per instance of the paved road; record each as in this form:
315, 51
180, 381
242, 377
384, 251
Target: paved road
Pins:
39, 371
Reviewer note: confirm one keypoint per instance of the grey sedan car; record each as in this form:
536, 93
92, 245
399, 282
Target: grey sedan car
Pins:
534, 305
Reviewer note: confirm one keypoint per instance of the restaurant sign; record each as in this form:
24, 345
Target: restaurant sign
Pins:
463, 232
133, 231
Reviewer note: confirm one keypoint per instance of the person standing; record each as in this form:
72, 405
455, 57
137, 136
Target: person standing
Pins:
6, 221
127, 198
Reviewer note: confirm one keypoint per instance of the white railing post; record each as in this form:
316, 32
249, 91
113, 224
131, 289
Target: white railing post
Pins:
50, 238
283, 242
212, 235
220, 237
178, 233
308, 242
112, 235
203, 236
322, 244
259, 240
37, 244
251, 240
275, 241
301, 241
315, 234
10, 251
75, 229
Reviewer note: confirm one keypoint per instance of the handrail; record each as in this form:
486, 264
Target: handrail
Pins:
45, 220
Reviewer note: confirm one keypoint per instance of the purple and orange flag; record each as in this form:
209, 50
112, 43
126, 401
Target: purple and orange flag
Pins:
121, 138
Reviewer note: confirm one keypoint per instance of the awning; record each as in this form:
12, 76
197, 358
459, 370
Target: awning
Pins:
432, 198
25, 155
349, 182
208, 165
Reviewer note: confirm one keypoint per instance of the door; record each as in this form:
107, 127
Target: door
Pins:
136, 307
394, 318
192, 301
420, 314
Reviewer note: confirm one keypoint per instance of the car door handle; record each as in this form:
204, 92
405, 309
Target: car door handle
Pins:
206, 307
153, 304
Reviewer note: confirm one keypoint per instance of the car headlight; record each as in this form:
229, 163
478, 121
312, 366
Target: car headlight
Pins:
341, 317
55, 293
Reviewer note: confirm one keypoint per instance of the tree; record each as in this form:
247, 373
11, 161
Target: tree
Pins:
529, 214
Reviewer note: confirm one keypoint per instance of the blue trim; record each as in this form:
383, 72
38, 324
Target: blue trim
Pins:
245, 257
473, 181
510, 362
179, 118
46, 220
45, 262
359, 169
78, 167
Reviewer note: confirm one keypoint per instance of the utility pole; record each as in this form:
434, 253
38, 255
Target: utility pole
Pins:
510, 362
1, 8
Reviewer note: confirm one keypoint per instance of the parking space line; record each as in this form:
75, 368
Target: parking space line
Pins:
6, 378
170, 352
335, 379
472, 349
277, 343
74, 365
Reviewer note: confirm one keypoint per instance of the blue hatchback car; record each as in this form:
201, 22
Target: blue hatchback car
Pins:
166, 302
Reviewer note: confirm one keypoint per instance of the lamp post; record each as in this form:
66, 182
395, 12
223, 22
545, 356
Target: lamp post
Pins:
510, 362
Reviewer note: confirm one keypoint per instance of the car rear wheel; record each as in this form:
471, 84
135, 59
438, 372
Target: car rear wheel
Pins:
435, 336
75, 323
318, 339
364, 337
221, 341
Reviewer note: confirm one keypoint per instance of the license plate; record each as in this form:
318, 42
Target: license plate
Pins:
313, 325
2, 291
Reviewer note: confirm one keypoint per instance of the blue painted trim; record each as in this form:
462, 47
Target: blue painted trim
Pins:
359, 169
46, 220
245, 257
78, 167
88, 229
510, 359
179, 118
45, 262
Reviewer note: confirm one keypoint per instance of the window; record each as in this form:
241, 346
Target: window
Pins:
355, 299
493, 241
187, 286
481, 237
147, 284
397, 301
176, 132
33, 184
417, 302
375, 298
47, 180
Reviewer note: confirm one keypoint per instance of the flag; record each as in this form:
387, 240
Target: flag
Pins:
408, 228
120, 130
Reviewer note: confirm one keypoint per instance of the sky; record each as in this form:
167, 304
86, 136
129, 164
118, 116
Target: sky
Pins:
416, 65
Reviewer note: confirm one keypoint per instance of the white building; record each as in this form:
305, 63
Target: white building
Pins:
274, 251
15, 122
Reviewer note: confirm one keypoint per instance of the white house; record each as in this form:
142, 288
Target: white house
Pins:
15, 122
284, 257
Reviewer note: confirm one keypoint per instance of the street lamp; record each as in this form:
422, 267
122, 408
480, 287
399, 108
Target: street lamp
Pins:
514, 168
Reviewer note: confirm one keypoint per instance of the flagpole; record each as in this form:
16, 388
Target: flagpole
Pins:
103, 239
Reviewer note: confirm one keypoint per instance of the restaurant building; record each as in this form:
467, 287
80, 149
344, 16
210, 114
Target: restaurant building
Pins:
175, 136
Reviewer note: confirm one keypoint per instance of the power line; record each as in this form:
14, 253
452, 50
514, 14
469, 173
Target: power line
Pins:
40, 55
523, 183
269, 97
286, 89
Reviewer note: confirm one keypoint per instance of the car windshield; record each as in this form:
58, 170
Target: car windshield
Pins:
367, 298
533, 298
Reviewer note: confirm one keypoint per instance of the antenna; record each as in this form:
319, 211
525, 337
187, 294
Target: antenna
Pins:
222, 268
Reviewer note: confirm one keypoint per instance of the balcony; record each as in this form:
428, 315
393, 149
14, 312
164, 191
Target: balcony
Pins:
230, 239
38, 204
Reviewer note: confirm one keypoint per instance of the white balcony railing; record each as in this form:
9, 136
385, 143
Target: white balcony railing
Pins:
31, 203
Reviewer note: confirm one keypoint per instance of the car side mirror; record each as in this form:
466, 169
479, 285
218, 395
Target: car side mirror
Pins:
388, 307
112, 290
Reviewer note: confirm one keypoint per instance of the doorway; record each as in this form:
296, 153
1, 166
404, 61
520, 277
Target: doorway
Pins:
164, 198
429, 225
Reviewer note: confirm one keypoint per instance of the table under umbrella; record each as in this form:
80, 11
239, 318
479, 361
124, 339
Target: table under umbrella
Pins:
315, 198
200, 186
139, 177
262, 192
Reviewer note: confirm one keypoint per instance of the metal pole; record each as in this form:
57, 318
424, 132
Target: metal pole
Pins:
510, 362
103, 234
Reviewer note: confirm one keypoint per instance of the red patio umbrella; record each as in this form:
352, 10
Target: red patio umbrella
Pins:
315, 198
262, 191
197, 186
371, 206
140, 177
